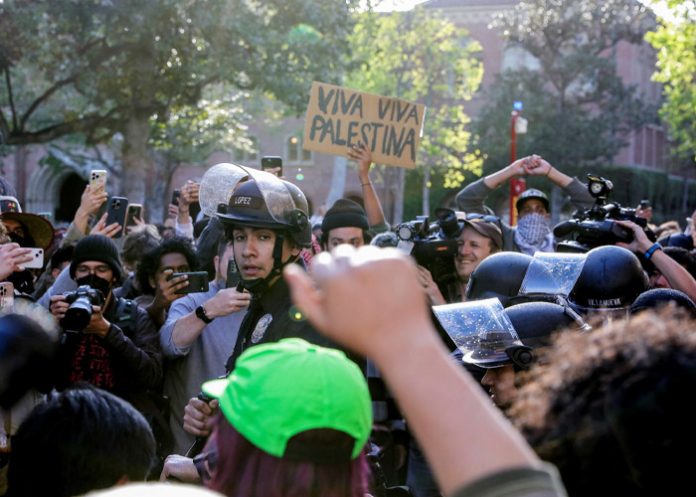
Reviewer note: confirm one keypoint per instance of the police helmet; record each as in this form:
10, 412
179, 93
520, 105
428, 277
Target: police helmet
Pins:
498, 276
612, 278
264, 201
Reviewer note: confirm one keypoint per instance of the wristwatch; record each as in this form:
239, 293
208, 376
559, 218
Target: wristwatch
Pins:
200, 313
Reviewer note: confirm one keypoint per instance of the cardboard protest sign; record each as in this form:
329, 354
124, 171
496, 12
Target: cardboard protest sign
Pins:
339, 117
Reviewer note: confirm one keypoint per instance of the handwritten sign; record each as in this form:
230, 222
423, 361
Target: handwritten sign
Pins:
338, 118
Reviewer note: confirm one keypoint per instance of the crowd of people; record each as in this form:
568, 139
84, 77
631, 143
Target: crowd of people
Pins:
244, 348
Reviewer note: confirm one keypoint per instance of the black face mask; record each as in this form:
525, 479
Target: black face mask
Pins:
94, 281
20, 240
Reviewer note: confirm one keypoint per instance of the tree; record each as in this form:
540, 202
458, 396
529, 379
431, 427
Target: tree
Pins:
419, 56
675, 42
103, 68
579, 109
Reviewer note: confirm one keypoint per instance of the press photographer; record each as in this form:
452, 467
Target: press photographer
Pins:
108, 342
596, 226
448, 250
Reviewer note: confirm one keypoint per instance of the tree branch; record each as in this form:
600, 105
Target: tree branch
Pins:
46, 95
8, 83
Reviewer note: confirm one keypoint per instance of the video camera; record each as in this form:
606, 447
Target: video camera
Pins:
79, 313
595, 226
434, 245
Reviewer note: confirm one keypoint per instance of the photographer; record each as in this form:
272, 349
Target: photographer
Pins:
533, 230
108, 342
480, 237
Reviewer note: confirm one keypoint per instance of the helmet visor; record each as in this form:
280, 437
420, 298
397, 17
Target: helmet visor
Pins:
217, 185
552, 273
276, 196
480, 329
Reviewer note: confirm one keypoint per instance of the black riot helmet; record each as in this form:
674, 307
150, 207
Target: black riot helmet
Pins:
498, 276
262, 200
611, 279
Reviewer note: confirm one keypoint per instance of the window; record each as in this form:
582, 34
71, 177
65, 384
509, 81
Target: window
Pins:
295, 153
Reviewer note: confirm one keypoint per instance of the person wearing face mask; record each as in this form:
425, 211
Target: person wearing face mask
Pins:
118, 350
533, 231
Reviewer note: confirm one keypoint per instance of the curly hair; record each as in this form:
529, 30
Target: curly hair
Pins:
612, 409
151, 260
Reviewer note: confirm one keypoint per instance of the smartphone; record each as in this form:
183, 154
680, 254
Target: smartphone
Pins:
233, 276
135, 211
116, 213
197, 282
272, 164
97, 179
176, 194
6, 296
9, 204
37, 261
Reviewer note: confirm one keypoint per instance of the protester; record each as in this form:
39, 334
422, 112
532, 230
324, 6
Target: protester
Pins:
611, 408
295, 412
370, 300
79, 440
533, 230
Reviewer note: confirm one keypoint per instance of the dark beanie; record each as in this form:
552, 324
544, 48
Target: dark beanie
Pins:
343, 214
97, 248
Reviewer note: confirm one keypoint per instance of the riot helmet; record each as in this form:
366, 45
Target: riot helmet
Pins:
498, 276
262, 200
611, 279
532, 193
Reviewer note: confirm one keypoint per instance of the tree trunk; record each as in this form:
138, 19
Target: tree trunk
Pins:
135, 159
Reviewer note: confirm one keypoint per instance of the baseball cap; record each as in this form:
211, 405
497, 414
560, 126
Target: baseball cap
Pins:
532, 193
486, 226
281, 389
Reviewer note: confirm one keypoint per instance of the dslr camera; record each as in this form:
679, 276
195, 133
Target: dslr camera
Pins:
434, 244
79, 313
595, 226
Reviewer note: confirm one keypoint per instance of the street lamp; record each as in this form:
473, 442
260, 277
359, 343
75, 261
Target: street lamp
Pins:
518, 126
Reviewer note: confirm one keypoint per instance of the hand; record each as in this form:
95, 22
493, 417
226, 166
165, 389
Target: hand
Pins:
91, 201
641, 243
536, 166
58, 306
368, 299
198, 417
12, 256
98, 325
179, 468
431, 289
226, 302
102, 229
189, 195
167, 287
645, 213
172, 210
363, 156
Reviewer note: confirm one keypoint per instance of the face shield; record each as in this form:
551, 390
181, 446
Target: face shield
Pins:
217, 185
483, 333
552, 273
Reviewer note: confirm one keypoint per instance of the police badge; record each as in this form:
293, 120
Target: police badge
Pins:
261, 328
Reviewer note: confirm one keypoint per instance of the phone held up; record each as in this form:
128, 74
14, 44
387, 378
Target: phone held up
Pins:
197, 282
116, 213
272, 164
37, 260
6, 296
135, 212
176, 194
97, 179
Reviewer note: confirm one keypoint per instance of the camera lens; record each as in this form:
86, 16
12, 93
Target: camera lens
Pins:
78, 314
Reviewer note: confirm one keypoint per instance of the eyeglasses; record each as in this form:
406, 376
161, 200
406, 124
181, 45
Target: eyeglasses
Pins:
205, 464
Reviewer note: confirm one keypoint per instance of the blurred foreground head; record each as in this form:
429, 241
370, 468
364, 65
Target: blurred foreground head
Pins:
613, 409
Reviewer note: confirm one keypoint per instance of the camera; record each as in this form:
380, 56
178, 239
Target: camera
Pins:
80, 311
434, 244
596, 226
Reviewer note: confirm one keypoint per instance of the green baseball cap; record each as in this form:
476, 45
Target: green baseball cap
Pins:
278, 390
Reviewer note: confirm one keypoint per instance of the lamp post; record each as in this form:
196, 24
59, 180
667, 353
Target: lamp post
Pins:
518, 126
